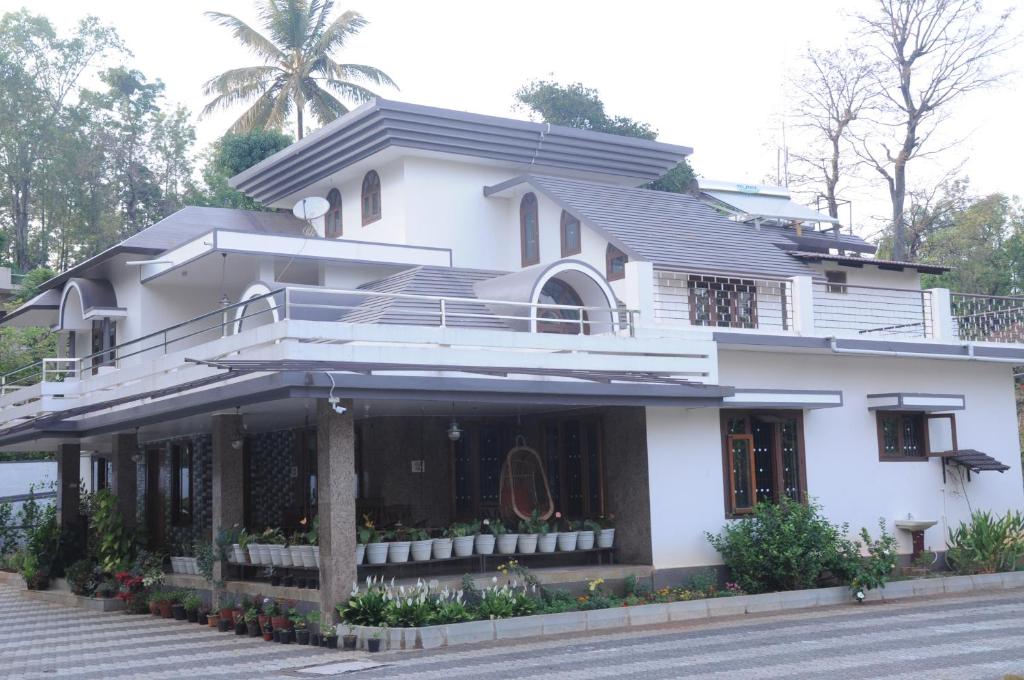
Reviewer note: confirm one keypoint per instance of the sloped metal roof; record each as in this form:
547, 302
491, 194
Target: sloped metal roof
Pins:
382, 123
753, 201
41, 310
897, 265
673, 231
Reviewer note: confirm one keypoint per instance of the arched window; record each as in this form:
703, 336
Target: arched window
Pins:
371, 197
615, 263
332, 221
529, 230
571, 239
558, 292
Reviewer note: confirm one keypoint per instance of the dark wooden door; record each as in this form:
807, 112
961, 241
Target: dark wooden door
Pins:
155, 520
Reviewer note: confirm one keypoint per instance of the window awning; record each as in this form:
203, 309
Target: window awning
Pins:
791, 399
975, 461
916, 401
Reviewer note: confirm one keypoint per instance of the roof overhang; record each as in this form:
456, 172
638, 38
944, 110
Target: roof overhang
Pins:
96, 297
916, 401
381, 123
889, 265
41, 311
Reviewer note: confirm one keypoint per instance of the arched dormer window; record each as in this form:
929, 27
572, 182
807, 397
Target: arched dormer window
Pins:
529, 230
615, 263
332, 221
371, 197
571, 239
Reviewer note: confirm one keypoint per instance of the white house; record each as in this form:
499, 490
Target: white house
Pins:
479, 281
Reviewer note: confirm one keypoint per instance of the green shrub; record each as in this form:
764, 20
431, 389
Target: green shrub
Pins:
113, 545
8, 531
82, 577
873, 571
987, 545
782, 546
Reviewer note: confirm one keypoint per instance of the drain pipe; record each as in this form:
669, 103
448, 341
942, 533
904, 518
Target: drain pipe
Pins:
970, 356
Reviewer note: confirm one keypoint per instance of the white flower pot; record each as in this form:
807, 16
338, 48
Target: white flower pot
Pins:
360, 552
442, 548
193, 566
308, 556
463, 545
484, 544
606, 538
546, 542
238, 554
376, 553
527, 543
585, 540
254, 553
421, 550
265, 554
316, 555
507, 543
175, 564
398, 551
296, 555
567, 540
275, 556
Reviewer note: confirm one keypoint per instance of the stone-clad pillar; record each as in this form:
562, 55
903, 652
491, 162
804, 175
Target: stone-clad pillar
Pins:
336, 504
68, 478
228, 506
123, 449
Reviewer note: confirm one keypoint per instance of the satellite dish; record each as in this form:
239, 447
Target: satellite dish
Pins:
311, 208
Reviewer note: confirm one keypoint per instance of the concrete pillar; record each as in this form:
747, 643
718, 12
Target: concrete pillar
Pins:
228, 507
637, 291
803, 304
123, 450
336, 504
939, 312
68, 474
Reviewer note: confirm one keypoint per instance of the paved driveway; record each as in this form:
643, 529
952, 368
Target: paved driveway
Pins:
981, 636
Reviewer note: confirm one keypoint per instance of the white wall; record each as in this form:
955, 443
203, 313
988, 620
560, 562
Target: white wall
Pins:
841, 450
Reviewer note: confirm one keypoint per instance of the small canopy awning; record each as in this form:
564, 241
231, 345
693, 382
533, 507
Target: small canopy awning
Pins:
916, 401
789, 399
976, 461
40, 311
754, 201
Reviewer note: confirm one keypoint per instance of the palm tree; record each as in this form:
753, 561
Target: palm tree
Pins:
299, 69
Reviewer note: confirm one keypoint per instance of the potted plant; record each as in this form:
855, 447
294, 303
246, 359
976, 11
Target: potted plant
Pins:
226, 608
165, 604
268, 633
606, 537
422, 545
329, 635
251, 617
349, 639
463, 537
567, 539
373, 644
585, 539
191, 603
484, 543
311, 554
281, 620
268, 608
178, 606
441, 548
547, 540
505, 541
529, 532
213, 619
376, 547
239, 621
299, 626
398, 545
313, 623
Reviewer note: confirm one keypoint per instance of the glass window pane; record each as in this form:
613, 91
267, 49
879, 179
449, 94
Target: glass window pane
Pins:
912, 440
790, 460
890, 436
763, 465
742, 484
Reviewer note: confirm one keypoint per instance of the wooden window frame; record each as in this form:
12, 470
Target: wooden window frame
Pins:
371, 187
180, 515
836, 282
885, 458
733, 507
329, 232
713, 284
612, 253
567, 219
777, 478
525, 259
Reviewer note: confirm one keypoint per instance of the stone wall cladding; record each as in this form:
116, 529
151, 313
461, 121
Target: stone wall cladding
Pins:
271, 485
202, 480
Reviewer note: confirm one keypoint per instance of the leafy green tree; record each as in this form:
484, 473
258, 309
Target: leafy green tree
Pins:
578, 106
299, 69
230, 155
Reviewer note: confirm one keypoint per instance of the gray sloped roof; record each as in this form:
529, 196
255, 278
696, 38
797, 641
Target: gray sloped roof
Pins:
183, 226
434, 281
672, 231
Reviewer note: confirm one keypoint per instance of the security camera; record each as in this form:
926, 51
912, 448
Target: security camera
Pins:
335, 403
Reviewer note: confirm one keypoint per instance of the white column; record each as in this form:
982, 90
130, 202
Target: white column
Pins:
638, 291
803, 304
941, 314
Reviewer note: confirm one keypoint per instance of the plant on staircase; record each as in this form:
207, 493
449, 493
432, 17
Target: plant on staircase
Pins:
113, 544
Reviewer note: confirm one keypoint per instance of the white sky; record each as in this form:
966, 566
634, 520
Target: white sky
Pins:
707, 75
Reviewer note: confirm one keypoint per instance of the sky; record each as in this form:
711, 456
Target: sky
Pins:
707, 75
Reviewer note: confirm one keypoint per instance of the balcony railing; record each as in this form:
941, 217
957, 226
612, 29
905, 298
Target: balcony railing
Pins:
872, 311
987, 318
342, 306
723, 302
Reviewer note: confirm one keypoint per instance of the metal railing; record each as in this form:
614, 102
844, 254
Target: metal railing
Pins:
987, 318
725, 302
872, 310
332, 305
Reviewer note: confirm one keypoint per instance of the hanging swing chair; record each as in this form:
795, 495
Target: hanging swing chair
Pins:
524, 486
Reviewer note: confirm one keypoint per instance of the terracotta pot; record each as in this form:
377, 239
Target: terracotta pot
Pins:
263, 620
212, 619
165, 610
154, 609
227, 613
268, 636
281, 623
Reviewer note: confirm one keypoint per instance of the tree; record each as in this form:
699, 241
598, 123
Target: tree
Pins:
578, 106
299, 69
230, 155
830, 94
931, 53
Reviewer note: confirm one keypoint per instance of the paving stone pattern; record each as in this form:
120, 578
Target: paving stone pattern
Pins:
960, 637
